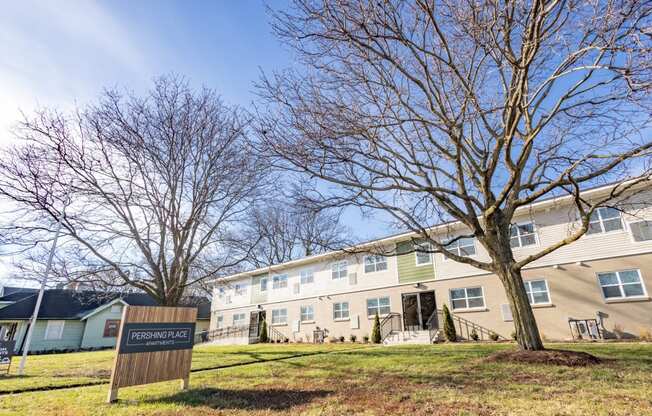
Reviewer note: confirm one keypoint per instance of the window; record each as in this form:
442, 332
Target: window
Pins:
239, 319
220, 321
111, 327
280, 281
521, 235
221, 292
641, 230
339, 269
340, 310
464, 246
378, 305
116, 308
54, 330
423, 255
537, 291
279, 316
622, 284
375, 263
604, 220
467, 298
263, 284
227, 300
239, 289
307, 313
307, 277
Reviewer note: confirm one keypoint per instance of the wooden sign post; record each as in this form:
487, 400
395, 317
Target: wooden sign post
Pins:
154, 344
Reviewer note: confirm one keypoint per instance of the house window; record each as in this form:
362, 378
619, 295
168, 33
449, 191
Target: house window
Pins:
116, 308
537, 291
641, 230
221, 292
307, 313
467, 298
239, 289
111, 327
340, 311
375, 263
423, 254
54, 330
622, 284
378, 305
307, 277
464, 246
604, 220
279, 316
521, 235
239, 319
280, 281
220, 321
339, 269
227, 300
263, 284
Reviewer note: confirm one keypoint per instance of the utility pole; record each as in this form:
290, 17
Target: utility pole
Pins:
32, 323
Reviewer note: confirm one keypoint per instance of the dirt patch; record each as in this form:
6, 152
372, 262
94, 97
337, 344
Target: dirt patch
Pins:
553, 357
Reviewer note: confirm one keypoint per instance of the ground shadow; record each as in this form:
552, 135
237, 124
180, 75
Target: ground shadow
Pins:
250, 399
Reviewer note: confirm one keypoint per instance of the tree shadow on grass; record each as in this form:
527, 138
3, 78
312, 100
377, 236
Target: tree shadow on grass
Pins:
247, 399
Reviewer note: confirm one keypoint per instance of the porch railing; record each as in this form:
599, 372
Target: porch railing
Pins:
389, 324
274, 335
228, 332
465, 328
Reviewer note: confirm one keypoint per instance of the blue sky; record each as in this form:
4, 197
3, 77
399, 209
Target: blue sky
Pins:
62, 53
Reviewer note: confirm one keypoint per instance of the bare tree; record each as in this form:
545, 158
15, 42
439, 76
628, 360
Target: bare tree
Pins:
284, 230
149, 190
465, 110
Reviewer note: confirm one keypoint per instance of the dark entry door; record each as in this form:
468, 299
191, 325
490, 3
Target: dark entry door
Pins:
256, 320
417, 308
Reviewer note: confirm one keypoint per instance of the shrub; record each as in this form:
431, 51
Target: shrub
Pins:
375, 332
342, 338
352, 338
286, 340
332, 339
493, 336
449, 326
474, 335
365, 339
263, 332
645, 334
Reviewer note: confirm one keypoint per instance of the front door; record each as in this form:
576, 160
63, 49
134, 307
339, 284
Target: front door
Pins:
417, 308
256, 319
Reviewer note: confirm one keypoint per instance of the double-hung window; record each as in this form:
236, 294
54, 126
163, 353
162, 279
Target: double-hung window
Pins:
622, 284
641, 230
522, 235
340, 311
339, 270
423, 254
537, 292
307, 313
378, 305
54, 330
307, 277
604, 220
374, 263
279, 316
220, 321
111, 327
280, 281
239, 319
463, 246
239, 289
467, 298
263, 284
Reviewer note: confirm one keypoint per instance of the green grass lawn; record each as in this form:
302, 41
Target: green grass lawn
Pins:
415, 380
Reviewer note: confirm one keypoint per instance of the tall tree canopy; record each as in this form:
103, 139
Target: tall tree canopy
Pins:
436, 110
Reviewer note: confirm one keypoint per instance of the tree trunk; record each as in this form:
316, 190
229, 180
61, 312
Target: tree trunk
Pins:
527, 332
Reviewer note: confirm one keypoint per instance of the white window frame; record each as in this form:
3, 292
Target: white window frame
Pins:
54, 330
279, 281
457, 249
620, 286
116, 308
520, 236
530, 296
264, 284
244, 319
281, 313
466, 297
341, 310
219, 321
304, 316
628, 226
601, 222
375, 263
377, 307
239, 289
307, 277
428, 247
336, 267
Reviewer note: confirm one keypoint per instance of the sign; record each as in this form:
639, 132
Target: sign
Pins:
154, 344
6, 352
145, 337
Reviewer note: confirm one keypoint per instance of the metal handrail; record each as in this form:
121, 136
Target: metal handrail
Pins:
432, 324
227, 332
465, 328
274, 335
389, 324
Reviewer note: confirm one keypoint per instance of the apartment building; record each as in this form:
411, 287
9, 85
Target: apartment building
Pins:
596, 287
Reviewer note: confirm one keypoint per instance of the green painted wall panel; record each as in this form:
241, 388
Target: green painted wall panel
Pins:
94, 333
70, 339
408, 271
256, 295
